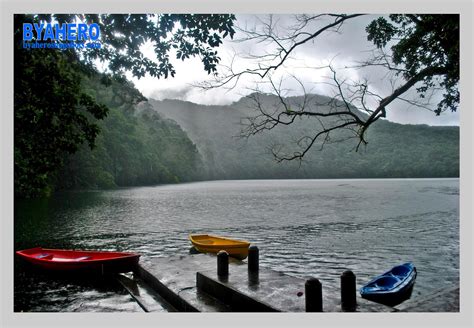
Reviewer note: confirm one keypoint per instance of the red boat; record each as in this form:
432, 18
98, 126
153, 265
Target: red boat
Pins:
75, 260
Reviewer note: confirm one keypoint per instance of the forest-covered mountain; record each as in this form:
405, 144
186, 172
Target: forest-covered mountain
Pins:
135, 146
176, 141
393, 150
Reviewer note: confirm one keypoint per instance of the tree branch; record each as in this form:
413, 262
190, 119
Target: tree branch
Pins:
380, 110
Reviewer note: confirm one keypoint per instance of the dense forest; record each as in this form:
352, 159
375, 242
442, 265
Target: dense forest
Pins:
393, 150
136, 146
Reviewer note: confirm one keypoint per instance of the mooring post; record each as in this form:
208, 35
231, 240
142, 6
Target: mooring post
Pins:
348, 291
314, 295
253, 259
222, 264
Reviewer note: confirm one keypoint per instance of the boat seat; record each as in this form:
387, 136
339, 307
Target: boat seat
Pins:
386, 283
73, 259
82, 258
206, 241
400, 271
395, 276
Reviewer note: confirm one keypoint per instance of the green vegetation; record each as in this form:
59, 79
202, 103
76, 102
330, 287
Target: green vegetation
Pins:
136, 145
59, 102
393, 150
426, 49
53, 117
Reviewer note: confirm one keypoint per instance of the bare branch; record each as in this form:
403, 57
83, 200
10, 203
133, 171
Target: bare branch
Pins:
301, 154
284, 46
354, 105
380, 110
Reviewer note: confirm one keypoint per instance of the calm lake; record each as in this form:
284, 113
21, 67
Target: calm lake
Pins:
303, 228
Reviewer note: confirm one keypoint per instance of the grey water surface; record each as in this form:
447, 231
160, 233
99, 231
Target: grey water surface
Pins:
304, 228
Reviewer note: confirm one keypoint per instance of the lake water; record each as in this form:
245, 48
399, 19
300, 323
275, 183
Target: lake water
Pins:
304, 228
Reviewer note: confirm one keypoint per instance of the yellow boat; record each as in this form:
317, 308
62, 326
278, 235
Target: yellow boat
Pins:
213, 244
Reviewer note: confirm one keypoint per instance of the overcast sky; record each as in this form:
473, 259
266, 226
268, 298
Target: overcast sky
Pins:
342, 49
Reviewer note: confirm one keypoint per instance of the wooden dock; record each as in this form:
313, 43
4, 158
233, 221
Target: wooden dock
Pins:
190, 283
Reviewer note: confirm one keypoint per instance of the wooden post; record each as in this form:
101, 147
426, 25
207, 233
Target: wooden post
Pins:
222, 264
253, 259
313, 295
348, 291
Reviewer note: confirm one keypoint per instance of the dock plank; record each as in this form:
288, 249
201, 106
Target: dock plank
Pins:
175, 277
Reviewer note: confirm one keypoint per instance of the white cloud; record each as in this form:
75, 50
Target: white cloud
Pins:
342, 49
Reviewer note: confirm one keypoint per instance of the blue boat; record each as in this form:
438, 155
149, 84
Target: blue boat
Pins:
393, 287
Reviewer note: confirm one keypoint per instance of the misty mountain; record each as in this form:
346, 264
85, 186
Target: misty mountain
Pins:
393, 150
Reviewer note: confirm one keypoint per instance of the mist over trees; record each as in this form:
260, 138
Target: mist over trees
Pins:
136, 146
395, 150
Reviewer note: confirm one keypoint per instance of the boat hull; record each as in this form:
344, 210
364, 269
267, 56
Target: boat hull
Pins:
391, 299
393, 287
80, 261
213, 244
